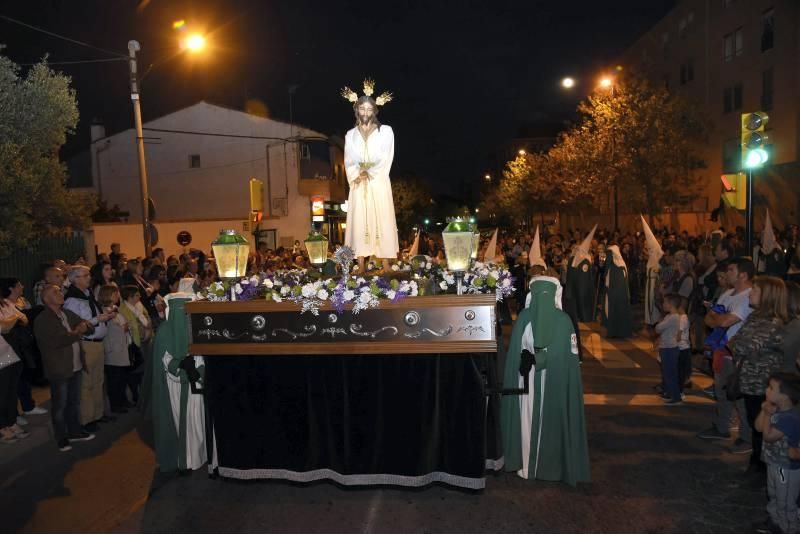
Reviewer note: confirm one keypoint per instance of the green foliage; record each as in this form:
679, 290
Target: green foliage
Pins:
640, 136
37, 111
412, 200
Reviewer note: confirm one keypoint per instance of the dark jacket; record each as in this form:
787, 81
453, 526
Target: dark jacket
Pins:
55, 343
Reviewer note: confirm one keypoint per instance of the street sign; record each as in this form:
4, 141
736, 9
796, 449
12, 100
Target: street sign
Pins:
184, 238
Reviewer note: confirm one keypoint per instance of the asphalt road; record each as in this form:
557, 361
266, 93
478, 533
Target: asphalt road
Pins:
650, 474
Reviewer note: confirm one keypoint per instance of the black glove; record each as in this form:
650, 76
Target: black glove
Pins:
526, 361
187, 364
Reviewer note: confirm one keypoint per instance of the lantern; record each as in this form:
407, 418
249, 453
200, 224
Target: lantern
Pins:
230, 253
476, 242
458, 237
317, 247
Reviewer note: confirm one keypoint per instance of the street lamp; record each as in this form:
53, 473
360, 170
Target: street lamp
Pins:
521, 152
231, 251
606, 82
487, 177
568, 83
457, 237
194, 43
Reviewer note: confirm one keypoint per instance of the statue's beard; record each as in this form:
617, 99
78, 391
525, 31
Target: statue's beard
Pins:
366, 120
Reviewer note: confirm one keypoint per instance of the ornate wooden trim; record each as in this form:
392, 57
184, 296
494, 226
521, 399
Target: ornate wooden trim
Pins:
343, 348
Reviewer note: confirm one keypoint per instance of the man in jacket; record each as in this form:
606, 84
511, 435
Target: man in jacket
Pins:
58, 333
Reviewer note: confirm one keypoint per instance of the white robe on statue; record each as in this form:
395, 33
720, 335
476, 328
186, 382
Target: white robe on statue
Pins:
371, 224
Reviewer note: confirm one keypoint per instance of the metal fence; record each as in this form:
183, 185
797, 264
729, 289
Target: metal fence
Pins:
26, 263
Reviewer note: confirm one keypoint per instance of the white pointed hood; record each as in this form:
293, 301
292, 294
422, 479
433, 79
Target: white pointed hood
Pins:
768, 241
535, 254
654, 250
584, 249
414, 247
491, 250
616, 257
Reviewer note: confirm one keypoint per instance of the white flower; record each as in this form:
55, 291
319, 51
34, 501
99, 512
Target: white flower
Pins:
254, 280
450, 279
366, 297
495, 274
238, 289
506, 282
276, 297
443, 285
349, 295
391, 294
308, 290
429, 265
395, 267
268, 283
285, 290
322, 294
364, 289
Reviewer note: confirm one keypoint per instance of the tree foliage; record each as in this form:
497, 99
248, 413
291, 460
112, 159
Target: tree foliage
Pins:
412, 201
37, 111
638, 136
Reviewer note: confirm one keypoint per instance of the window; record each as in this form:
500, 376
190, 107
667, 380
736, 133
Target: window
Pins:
767, 88
733, 45
732, 156
732, 98
737, 96
768, 30
305, 151
687, 71
194, 161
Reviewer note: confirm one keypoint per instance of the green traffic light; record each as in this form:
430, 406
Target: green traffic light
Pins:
756, 158
427, 221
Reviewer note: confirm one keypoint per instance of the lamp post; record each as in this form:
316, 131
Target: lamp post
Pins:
231, 251
133, 47
458, 237
317, 247
607, 82
193, 43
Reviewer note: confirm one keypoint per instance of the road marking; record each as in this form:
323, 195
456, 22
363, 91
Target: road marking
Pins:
621, 399
609, 355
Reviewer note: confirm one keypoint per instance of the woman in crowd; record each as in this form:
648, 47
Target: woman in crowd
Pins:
13, 323
757, 349
115, 345
139, 327
102, 275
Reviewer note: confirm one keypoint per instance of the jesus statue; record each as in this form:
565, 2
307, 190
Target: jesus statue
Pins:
368, 154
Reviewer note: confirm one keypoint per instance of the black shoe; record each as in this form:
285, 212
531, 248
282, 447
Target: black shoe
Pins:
81, 436
91, 427
63, 445
106, 419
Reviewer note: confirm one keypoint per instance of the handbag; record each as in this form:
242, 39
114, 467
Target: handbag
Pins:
7, 355
733, 386
135, 355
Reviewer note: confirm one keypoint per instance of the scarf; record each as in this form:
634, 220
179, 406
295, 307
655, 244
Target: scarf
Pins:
74, 292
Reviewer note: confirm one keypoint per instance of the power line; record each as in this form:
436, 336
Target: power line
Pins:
77, 61
46, 32
238, 136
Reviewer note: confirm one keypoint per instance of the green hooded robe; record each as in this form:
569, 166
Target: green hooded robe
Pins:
580, 291
544, 432
617, 313
172, 337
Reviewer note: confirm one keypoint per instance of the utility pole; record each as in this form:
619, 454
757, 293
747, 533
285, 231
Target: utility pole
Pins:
133, 47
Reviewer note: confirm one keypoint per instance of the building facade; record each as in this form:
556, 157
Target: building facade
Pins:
730, 57
200, 160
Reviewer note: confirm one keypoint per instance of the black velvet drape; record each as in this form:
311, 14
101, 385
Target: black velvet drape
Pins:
407, 415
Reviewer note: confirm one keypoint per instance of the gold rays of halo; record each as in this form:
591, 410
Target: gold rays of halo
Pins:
369, 89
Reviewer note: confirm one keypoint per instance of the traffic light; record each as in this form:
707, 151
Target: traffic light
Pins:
754, 139
734, 190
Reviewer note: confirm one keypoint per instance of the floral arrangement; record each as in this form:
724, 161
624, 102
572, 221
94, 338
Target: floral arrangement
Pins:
310, 291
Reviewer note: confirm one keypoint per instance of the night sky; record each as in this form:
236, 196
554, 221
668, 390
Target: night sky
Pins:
466, 75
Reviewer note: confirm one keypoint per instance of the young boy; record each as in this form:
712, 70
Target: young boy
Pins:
668, 331
779, 422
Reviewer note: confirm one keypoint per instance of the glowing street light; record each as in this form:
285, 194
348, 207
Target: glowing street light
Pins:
488, 177
194, 43
521, 152
568, 83
606, 82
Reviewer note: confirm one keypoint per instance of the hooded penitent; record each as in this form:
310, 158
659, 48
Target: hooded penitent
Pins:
414, 247
771, 259
579, 297
617, 314
652, 314
535, 254
544, 431
491, 250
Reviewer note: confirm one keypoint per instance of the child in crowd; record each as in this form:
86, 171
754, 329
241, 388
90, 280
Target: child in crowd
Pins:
115, 344
684, 346
779, 422
669, 332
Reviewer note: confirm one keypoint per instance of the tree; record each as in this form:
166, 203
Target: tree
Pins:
637, 136
37, 111
412, 202
645, 139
